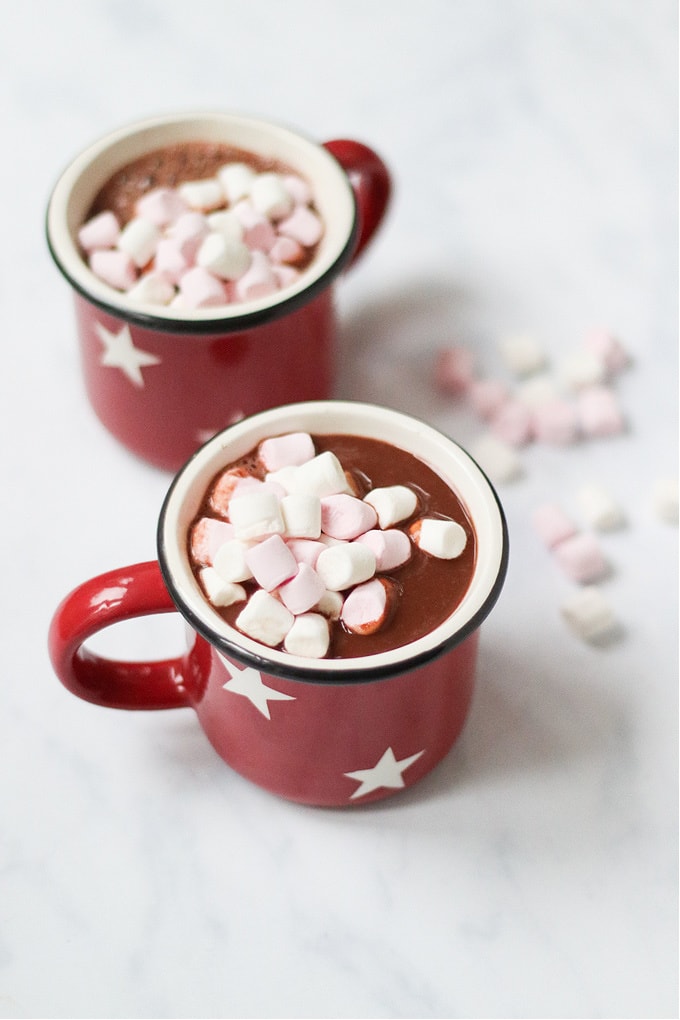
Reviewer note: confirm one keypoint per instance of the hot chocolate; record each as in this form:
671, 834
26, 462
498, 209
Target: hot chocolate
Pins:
350, 545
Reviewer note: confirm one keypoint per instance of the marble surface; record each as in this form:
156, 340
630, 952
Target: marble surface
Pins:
534, 874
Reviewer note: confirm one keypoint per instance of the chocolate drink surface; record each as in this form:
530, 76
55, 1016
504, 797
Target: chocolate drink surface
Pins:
425, 589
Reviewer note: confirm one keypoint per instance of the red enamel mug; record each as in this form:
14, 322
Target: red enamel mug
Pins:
327, 732
163, 380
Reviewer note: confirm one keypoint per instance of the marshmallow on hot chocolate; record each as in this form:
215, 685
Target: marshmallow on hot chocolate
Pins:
441, 538
309, 636
392, 503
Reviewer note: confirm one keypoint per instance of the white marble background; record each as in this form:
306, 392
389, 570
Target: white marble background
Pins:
534, 149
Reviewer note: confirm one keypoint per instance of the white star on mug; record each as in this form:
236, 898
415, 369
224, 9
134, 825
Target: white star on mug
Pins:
248, 682
120, 352
387, 773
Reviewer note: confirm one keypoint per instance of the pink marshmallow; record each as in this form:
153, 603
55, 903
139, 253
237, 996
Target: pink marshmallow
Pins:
555, 421
607, 347
223, 489
271, 562
258, 281
281, 451
102, 231
302, 225
200, 289
346, 517
173, 258
392, 548
285, 249
454, 369
487, 396
189, 230
161, 206
258, 232
581, 558
599, 413
306, 550
552, 524
512, 423
114, 267
298, 188
207, 536
366, 607
303, 591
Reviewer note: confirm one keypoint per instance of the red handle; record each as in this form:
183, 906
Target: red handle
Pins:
371, 182
112, 598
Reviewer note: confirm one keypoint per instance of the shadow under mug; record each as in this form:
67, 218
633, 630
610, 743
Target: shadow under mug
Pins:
328, 732
164, 381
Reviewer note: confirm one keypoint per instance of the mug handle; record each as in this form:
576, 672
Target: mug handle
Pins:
110, 598
371, 182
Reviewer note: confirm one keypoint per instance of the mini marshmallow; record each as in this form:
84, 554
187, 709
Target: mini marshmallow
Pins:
309, 636
346, 517
286, 250
270, 196
139, 238
454, 369
556, 421
114, 267
265, 619
207, 535
101, 231
589, 615
608, 348
599, 413
236, 179
271, 562
599, 508
301, 515
487, 396
513, 423
152, 289
392, 503
306, 550
522, 354
497, 459
200, 289
218, 591
230, 561
259, 279
303, 591
665, 499
298, 188
444, 539
256, 514
223, 256
280, 451
330, 604
366, 607
204, 195
302, 225
161, 206
227, 223
552, 524
285, 275
321, 476
189, 230
537, 390
582, 368
258, 232
223, 489
581, 558
391, 548
172, 260
344, 565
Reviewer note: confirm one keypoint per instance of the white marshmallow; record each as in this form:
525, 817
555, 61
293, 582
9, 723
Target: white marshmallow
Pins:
200, 289
344, 565
589, 616
256, 514
392, 503
101, 231
259, 280
152, 289
309, 636
600, 509
270, 196
330, 604
522, 354
236, 179
218, 591
301, 515
441, 538
138, 239
321, 476
226, 222
226, 257
202, 195
665, 499
552, 524
265, 619
207, 536
161, 206
582, 368
498, 459
230, 561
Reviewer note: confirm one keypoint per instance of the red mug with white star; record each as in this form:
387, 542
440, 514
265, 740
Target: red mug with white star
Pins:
327, 731
164, 379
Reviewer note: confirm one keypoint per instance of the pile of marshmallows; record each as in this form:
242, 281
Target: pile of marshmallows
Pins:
313, 549
238, 236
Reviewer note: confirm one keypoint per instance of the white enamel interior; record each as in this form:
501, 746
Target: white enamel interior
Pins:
348, 418
78, 185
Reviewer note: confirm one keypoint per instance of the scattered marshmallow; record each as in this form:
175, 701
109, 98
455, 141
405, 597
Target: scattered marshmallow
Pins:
665, 499
487, 396
264, 618
581, 558
513, 423
600, 508
537, 390
444, 539
391, 548
589, 616
345, 565
392, 503
552, 524
556, 422
582, 368
454, 369
599, 412
497, 459
366, 607
522, 354
309, 636
218, 591
608, 349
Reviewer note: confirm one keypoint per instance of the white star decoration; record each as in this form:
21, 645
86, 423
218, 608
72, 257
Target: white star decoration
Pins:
248, 682
120, 352
387, 773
